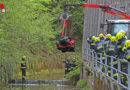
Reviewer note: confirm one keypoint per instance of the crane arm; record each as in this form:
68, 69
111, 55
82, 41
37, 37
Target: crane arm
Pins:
105, 8
108, 9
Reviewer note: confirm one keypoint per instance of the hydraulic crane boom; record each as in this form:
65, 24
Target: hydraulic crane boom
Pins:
105, 8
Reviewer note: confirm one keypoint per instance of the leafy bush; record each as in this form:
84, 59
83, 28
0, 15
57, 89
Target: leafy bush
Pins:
73, 76
87, 88
81, 83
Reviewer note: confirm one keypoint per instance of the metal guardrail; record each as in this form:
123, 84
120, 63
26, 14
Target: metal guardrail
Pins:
101, 65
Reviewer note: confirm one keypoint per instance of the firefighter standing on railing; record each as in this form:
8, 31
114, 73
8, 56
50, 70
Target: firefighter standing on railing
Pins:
23, 67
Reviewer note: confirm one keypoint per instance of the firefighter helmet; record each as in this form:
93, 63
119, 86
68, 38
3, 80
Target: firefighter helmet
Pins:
101, 35
97, 39
119, 36
23, 57
93, 37
113, 39
127, 43
123, 33
108, 36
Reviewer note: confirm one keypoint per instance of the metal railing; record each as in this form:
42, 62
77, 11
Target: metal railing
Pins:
117, 70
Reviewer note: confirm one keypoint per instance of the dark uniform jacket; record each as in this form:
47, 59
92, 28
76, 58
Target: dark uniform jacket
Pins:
110, 50
120, 45
92, 44
98, 47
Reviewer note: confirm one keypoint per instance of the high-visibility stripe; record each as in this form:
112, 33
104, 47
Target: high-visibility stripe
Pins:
92, 44
109, 71
119, 46
99, 47
115, 62
115, 74
111, 49
128, 57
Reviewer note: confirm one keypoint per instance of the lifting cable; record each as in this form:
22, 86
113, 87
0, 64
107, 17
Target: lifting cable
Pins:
68, 26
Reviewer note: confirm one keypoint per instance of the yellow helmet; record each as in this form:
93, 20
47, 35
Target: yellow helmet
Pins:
113, 39
97, 39
93, 37
108, 36
123, 33
23, 57
127, 43
101, 35
119, 36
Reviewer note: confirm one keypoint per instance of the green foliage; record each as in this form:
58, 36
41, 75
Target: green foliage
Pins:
87, 88
81, 83
73, 76
32, 25
76, 71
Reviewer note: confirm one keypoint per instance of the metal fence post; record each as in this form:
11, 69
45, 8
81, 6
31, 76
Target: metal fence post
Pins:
118, 77
93, 62
100, 65
111, 72
106, 70
128, 76
95, 57
87, 54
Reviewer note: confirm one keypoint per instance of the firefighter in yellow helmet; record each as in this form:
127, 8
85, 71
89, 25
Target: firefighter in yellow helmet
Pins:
91, 42
99, 51
101, 36
98, 45
120, 44
124, 65
23, 67
107, 41
110, 50
123, 33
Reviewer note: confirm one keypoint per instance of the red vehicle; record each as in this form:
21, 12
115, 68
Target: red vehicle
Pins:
66, 42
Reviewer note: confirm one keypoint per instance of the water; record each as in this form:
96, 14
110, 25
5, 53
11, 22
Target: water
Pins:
38, 87
51, 84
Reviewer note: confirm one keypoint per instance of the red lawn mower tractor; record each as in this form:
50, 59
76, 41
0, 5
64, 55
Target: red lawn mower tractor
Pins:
66, 42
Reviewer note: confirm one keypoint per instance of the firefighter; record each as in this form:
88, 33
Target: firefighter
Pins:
127, 50
120, 41
124, 68
124, 33
107, 41
102, 39
110, 50
23, 67
101, 36
99, 50
73, 64
91, 42
98, 45
67, 66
